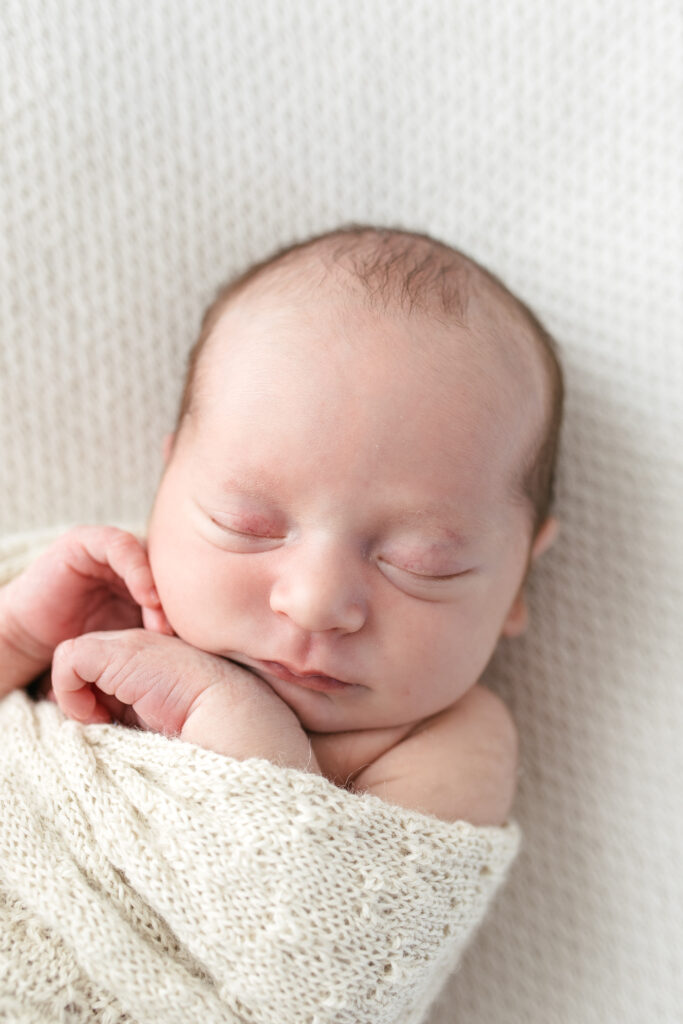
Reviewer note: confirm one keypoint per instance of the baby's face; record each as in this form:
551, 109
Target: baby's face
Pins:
339, 504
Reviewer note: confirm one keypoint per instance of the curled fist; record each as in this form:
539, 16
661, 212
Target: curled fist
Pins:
163, 684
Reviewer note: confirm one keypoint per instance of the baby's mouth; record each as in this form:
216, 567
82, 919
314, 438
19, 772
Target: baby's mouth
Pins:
310, 680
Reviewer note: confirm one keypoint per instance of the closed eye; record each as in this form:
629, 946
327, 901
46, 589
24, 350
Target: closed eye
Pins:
426, 577
441, 579
249, 534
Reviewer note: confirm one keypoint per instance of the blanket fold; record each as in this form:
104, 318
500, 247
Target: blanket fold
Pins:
144, 879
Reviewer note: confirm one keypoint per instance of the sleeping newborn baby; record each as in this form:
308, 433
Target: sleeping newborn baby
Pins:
358, 483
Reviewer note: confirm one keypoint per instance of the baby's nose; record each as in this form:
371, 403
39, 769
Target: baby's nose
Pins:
319, 590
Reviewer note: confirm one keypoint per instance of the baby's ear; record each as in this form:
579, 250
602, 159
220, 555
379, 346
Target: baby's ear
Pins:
167, 446
517, 619
545, 537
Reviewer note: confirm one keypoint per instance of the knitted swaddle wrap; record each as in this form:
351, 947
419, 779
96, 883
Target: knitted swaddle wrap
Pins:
144, 879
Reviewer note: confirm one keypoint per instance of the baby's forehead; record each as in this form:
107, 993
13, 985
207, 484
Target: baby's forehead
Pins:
456, 313
483, 329
470, 374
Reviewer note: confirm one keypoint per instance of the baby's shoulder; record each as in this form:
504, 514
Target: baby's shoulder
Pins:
460, 764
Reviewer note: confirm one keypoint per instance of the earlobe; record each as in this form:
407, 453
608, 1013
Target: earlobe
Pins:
517, 620
545, 538
167, 446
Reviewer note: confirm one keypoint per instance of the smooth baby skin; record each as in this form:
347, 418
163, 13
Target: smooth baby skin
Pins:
338, 503
342, 507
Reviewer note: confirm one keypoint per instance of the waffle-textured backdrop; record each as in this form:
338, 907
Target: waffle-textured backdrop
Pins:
149, 150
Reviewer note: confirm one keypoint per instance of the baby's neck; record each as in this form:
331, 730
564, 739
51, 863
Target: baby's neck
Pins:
342, 755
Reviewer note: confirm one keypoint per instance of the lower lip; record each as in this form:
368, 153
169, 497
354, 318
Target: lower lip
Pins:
324, 683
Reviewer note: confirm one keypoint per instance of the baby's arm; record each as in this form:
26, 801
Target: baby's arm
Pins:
19, 662
176, 689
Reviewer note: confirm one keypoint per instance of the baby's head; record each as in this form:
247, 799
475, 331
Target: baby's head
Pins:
361, 476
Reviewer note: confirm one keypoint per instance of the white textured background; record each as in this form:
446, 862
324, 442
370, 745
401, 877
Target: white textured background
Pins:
151, 149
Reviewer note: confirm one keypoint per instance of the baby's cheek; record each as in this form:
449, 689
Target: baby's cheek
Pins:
215, 600
180, 588
191, 615
196, 608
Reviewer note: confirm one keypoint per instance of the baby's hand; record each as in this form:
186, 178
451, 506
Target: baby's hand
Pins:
92, 577
163, 684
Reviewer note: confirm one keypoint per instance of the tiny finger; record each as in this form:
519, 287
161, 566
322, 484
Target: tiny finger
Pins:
82, 704
124, 554
70, 690
155, 620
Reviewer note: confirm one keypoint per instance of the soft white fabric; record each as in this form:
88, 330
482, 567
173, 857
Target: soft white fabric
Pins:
144, 879
150, 149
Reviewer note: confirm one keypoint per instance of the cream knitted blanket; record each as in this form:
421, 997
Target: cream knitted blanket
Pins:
144, 879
